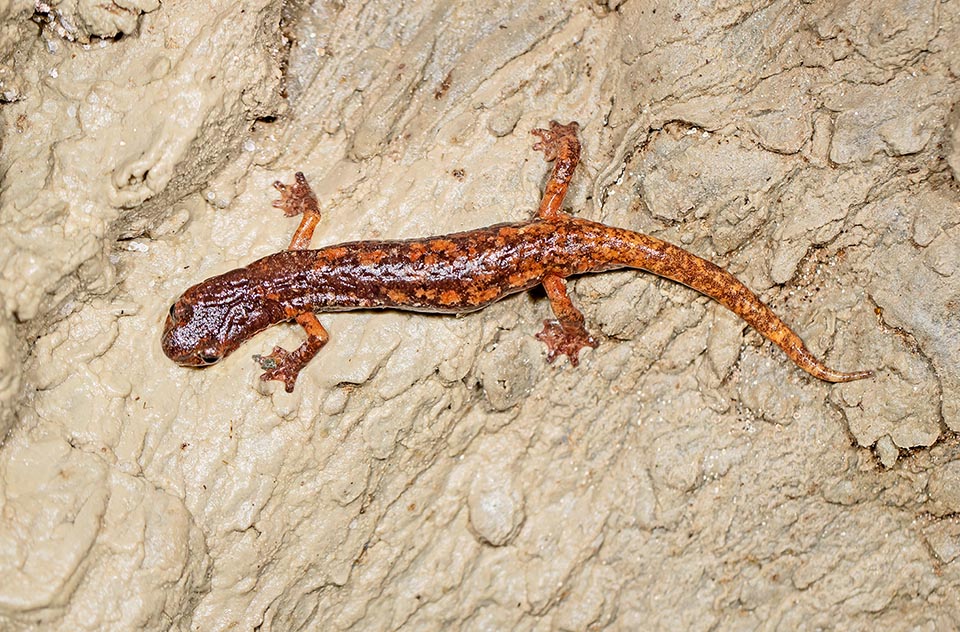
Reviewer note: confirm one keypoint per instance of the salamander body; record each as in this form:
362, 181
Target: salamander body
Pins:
455, 273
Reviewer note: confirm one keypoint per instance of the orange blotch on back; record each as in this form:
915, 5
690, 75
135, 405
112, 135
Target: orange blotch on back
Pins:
372, 257
329, 255
415, 251
444, 246
484, 296
515, 279
397, 296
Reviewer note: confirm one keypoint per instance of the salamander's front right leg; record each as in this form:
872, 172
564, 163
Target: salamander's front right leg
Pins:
284, 365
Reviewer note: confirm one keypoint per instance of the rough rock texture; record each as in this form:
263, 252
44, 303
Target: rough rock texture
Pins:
14, 27
81, 20
436, 472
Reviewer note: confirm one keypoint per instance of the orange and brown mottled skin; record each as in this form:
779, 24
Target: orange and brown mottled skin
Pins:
454, 273
561, 146
564, 334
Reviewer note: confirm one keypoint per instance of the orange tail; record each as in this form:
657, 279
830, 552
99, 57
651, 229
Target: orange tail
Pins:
637, 250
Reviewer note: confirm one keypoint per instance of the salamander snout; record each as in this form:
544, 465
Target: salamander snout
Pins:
184, 339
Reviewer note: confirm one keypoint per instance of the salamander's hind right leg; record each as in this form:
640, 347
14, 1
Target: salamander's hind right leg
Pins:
299, 199
565, 334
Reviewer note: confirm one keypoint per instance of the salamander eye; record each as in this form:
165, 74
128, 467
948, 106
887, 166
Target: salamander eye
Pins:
180, 312
208, 357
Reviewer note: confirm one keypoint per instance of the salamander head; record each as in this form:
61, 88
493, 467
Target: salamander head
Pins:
212, 319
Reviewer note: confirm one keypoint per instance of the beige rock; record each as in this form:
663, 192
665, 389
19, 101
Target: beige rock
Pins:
434, 472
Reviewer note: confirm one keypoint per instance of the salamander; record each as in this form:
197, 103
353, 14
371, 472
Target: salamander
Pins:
454, 273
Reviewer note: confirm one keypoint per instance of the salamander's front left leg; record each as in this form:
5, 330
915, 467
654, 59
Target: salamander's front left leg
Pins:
284, 365
565, 334
561, 146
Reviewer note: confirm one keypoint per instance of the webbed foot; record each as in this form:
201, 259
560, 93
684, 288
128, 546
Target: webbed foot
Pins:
557, 139
296, 198
280, 365
565, 339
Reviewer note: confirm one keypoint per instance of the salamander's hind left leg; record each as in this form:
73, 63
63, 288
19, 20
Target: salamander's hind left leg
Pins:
299, 199
285, 365
565, 334
561, 146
